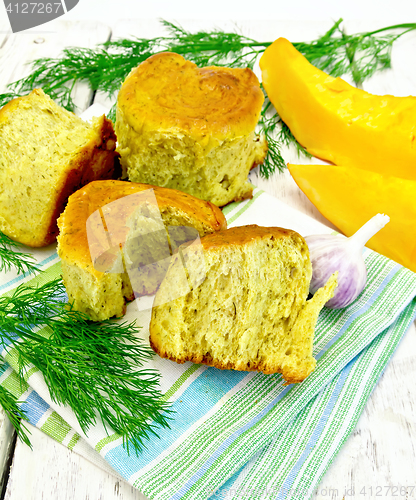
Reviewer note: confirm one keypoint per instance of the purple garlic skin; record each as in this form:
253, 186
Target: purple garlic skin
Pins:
331, 253
328, 255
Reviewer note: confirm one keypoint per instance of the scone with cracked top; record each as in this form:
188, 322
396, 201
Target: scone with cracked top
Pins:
116, 239
251, 312
190, 128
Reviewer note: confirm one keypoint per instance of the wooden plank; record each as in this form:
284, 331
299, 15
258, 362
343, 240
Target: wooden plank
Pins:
22, 48
52, 471
400, 80
5, 31
380, 451
7, 443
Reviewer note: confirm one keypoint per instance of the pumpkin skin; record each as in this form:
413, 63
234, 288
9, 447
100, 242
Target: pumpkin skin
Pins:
349, 197
337, 122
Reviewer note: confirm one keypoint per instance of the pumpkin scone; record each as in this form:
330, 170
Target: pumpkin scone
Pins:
116, 239
250, 312
47, 153
190, 128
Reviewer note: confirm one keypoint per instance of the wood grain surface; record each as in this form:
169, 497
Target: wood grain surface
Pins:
381, 451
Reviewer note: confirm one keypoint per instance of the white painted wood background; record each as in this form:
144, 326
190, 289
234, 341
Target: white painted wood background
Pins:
381, 450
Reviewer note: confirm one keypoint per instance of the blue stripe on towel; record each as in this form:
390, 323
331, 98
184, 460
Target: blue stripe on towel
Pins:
34, 407
22, 276
213, 384
226, 444
287, 485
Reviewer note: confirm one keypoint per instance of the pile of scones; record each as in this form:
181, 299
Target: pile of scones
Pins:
136, 213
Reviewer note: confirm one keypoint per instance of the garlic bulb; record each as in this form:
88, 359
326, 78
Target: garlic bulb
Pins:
331, 253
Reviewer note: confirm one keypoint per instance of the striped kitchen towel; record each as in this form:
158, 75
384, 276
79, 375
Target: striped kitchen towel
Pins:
246, 435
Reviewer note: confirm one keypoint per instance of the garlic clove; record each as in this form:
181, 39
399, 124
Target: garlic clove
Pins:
331, 253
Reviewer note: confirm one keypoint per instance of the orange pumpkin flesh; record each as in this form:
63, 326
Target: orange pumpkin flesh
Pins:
337, 122
349, 197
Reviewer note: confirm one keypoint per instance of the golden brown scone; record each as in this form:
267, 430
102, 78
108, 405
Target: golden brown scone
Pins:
190, 128
47, 153
251, 311
102, 294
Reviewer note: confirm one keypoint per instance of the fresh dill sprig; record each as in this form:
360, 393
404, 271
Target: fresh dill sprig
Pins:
95, 368
213, 48
10, 257
269, 125
105, 68
16, 415
359, 55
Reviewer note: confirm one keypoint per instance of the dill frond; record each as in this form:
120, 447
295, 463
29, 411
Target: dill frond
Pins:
269, 125
95, 368
359, 55
11, 258
16, 415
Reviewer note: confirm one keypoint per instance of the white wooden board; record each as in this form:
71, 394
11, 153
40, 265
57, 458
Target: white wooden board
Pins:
19, 49
382, 448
